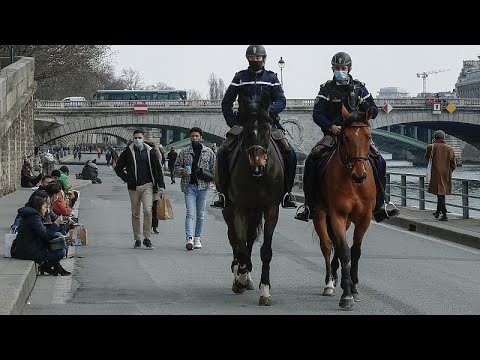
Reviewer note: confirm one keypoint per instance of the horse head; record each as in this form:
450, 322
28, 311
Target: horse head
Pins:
253, 114
355, 143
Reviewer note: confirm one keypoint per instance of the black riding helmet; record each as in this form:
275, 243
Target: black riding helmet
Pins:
341, 59
256, 50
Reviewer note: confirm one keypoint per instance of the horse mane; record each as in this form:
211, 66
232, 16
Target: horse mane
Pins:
356, 116
253, 105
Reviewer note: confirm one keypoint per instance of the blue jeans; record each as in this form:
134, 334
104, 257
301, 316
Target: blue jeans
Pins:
195, 200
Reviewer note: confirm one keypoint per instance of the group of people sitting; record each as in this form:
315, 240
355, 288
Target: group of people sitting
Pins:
47, 215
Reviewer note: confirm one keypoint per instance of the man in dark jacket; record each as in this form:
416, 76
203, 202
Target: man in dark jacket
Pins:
139, 166
172, 156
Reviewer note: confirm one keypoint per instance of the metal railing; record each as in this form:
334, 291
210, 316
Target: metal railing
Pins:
406, 104
414, 192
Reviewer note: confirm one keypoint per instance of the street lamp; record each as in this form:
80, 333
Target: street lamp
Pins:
281, 65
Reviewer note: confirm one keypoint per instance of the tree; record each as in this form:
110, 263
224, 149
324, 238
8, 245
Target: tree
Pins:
132, 78
216, 87
159, 86
193, 94
67, 70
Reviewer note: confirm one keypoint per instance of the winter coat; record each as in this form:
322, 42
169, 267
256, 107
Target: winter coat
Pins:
126, 167
90, 171
443, 164
31, 241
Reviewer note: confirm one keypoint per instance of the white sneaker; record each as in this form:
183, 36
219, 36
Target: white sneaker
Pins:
189, 244
197, 243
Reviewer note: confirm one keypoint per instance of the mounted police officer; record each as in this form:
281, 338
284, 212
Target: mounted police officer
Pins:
327, 113
255, 81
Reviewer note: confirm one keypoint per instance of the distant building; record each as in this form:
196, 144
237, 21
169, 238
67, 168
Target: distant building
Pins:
392, 93
468, 83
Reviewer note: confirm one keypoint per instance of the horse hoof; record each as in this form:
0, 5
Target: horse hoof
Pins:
356, 297
347, 303
328, 291
238, 289
265, 301
250, 285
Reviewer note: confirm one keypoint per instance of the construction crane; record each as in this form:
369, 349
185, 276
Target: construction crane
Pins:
424, 76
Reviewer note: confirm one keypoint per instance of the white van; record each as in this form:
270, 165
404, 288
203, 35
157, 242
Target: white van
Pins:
74, 101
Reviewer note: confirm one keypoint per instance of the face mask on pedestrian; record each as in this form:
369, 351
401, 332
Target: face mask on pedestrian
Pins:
341, 75
138, 142
256, 65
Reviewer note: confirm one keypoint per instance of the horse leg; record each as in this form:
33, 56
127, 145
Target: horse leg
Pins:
334, 263
356, 252
252, 236
320, 224
271, 219
342, 250
240, 276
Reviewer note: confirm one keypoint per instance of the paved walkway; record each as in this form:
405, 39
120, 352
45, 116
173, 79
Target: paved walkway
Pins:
17, 277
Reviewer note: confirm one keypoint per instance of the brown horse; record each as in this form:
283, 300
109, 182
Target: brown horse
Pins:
346, 195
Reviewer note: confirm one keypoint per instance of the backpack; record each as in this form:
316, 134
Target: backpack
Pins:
15, 224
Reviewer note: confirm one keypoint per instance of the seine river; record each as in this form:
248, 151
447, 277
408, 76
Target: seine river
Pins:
467, 171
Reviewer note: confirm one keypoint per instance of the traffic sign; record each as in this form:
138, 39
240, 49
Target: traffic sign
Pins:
387, 108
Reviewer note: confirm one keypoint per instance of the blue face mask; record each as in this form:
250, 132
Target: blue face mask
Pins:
138, 142
341, 75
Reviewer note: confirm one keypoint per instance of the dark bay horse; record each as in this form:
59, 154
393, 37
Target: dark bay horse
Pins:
346, 195
255, 193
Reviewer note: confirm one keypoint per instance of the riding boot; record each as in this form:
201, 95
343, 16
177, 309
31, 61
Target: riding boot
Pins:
61, 271
308, 173
380, 212
223, 179
290, 161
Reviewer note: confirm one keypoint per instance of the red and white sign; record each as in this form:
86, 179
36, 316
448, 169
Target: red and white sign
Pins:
140, 108
387, 108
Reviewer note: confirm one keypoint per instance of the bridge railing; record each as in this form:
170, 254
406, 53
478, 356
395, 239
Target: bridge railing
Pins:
411, 189
400, 103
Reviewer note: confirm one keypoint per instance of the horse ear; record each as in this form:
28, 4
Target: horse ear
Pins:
345, 113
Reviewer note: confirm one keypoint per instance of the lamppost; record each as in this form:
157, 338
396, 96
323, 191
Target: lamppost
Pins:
281, 65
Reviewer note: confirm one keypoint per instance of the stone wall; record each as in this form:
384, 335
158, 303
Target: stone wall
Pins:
17, 88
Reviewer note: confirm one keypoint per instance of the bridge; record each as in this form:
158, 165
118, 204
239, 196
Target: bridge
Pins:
54, 121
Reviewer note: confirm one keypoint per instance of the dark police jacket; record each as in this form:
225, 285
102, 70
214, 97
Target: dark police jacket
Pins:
327, 110
264, 83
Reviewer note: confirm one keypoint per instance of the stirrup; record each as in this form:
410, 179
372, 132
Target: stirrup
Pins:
394, 210
220, 196
294, 200
307, 209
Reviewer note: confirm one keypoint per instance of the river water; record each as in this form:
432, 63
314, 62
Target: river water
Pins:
467, 171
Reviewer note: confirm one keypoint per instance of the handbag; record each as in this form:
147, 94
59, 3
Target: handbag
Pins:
204, 175
429, 167
57, 243
164, 208
9, 238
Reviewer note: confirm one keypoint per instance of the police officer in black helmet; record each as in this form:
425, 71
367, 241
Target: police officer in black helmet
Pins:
327, 113
254, 80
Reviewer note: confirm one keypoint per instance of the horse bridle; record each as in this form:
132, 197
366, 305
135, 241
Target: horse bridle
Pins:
350, 164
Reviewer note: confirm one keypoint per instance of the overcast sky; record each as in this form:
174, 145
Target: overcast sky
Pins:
306, 66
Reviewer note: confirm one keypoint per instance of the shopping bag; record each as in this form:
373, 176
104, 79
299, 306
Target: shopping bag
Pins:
429, 167
8, 244
164, 208
82, 234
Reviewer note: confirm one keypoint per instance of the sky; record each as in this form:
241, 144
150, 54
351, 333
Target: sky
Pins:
306, 66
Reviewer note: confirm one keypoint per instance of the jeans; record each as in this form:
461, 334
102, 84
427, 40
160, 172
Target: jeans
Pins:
195, 200
441, 208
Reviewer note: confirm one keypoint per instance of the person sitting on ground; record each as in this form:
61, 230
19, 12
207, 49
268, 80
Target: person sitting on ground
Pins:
28, 178
90, 171
67, 188
32, 238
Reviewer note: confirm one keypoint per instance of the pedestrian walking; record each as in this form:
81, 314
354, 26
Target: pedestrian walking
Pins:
443, 163
172, 156
196, 163
139, 166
